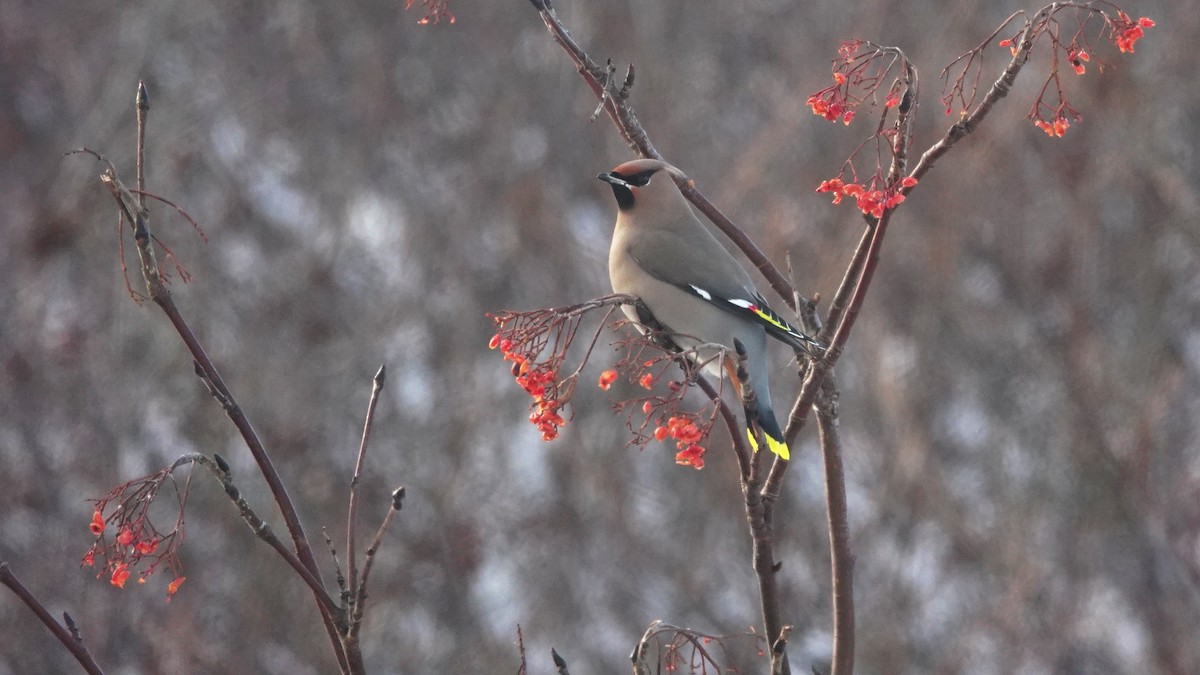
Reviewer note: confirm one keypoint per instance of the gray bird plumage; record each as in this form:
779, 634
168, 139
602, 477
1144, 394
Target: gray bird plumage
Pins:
689, 281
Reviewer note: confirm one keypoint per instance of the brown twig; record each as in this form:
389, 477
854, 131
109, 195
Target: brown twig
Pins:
360, 597
998, 90
851, 294
758, 518
69, 638
261, 529
351, 566
142, 102
138, 218
840, 554
521, 670
840, 551
740, 449
339, 577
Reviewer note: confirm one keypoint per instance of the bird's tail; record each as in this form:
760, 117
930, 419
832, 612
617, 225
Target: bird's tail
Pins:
770, 431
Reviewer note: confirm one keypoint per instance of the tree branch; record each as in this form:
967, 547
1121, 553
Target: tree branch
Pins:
68, 640
351, 567
261, 529
138, 218
840, 555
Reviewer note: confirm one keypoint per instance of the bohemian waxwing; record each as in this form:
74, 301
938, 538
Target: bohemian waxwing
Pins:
692, 285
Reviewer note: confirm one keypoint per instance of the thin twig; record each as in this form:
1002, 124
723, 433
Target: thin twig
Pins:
999, 89
142, 103
360, 599
339, 577
71, 642
521, 651
851, 294
740, 449
606, 86
138, 219
351, 545
261, 529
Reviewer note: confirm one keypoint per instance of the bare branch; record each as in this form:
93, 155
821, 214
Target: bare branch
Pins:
142, 103
263, 531
360, 598
841, 557
132, 209
521, 670
351, 566
339, 577
68, 638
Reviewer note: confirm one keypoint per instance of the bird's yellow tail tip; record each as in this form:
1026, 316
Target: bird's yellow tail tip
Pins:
776, 446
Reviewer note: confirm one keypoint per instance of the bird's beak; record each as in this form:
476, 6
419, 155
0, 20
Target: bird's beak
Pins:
613, 179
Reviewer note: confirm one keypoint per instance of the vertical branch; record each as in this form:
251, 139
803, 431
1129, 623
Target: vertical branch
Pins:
758, 517
351, 567
143, 110
840, 555
837, 344
851, 293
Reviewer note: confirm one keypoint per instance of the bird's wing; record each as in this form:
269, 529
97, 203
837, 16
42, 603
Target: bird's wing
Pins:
706, 270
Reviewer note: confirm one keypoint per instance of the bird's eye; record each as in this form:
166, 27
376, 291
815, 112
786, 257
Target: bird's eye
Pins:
640, 179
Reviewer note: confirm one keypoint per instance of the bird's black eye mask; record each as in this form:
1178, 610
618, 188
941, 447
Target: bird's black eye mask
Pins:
641, 179
622, 185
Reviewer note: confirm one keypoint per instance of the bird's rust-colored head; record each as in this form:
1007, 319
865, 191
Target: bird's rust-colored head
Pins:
633, 181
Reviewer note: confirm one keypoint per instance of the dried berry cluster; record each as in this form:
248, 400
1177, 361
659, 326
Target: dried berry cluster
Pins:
536, 343
138, 547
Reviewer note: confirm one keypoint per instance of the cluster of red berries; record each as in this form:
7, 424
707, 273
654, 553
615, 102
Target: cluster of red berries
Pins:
540, 382
1054, 128
436, 11
835, 102
830, 108
1078, 57
609, 376
682, 428
870, 200
132, 544
687, 437
1126, 32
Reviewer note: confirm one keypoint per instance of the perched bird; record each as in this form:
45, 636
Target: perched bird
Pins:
692, 285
